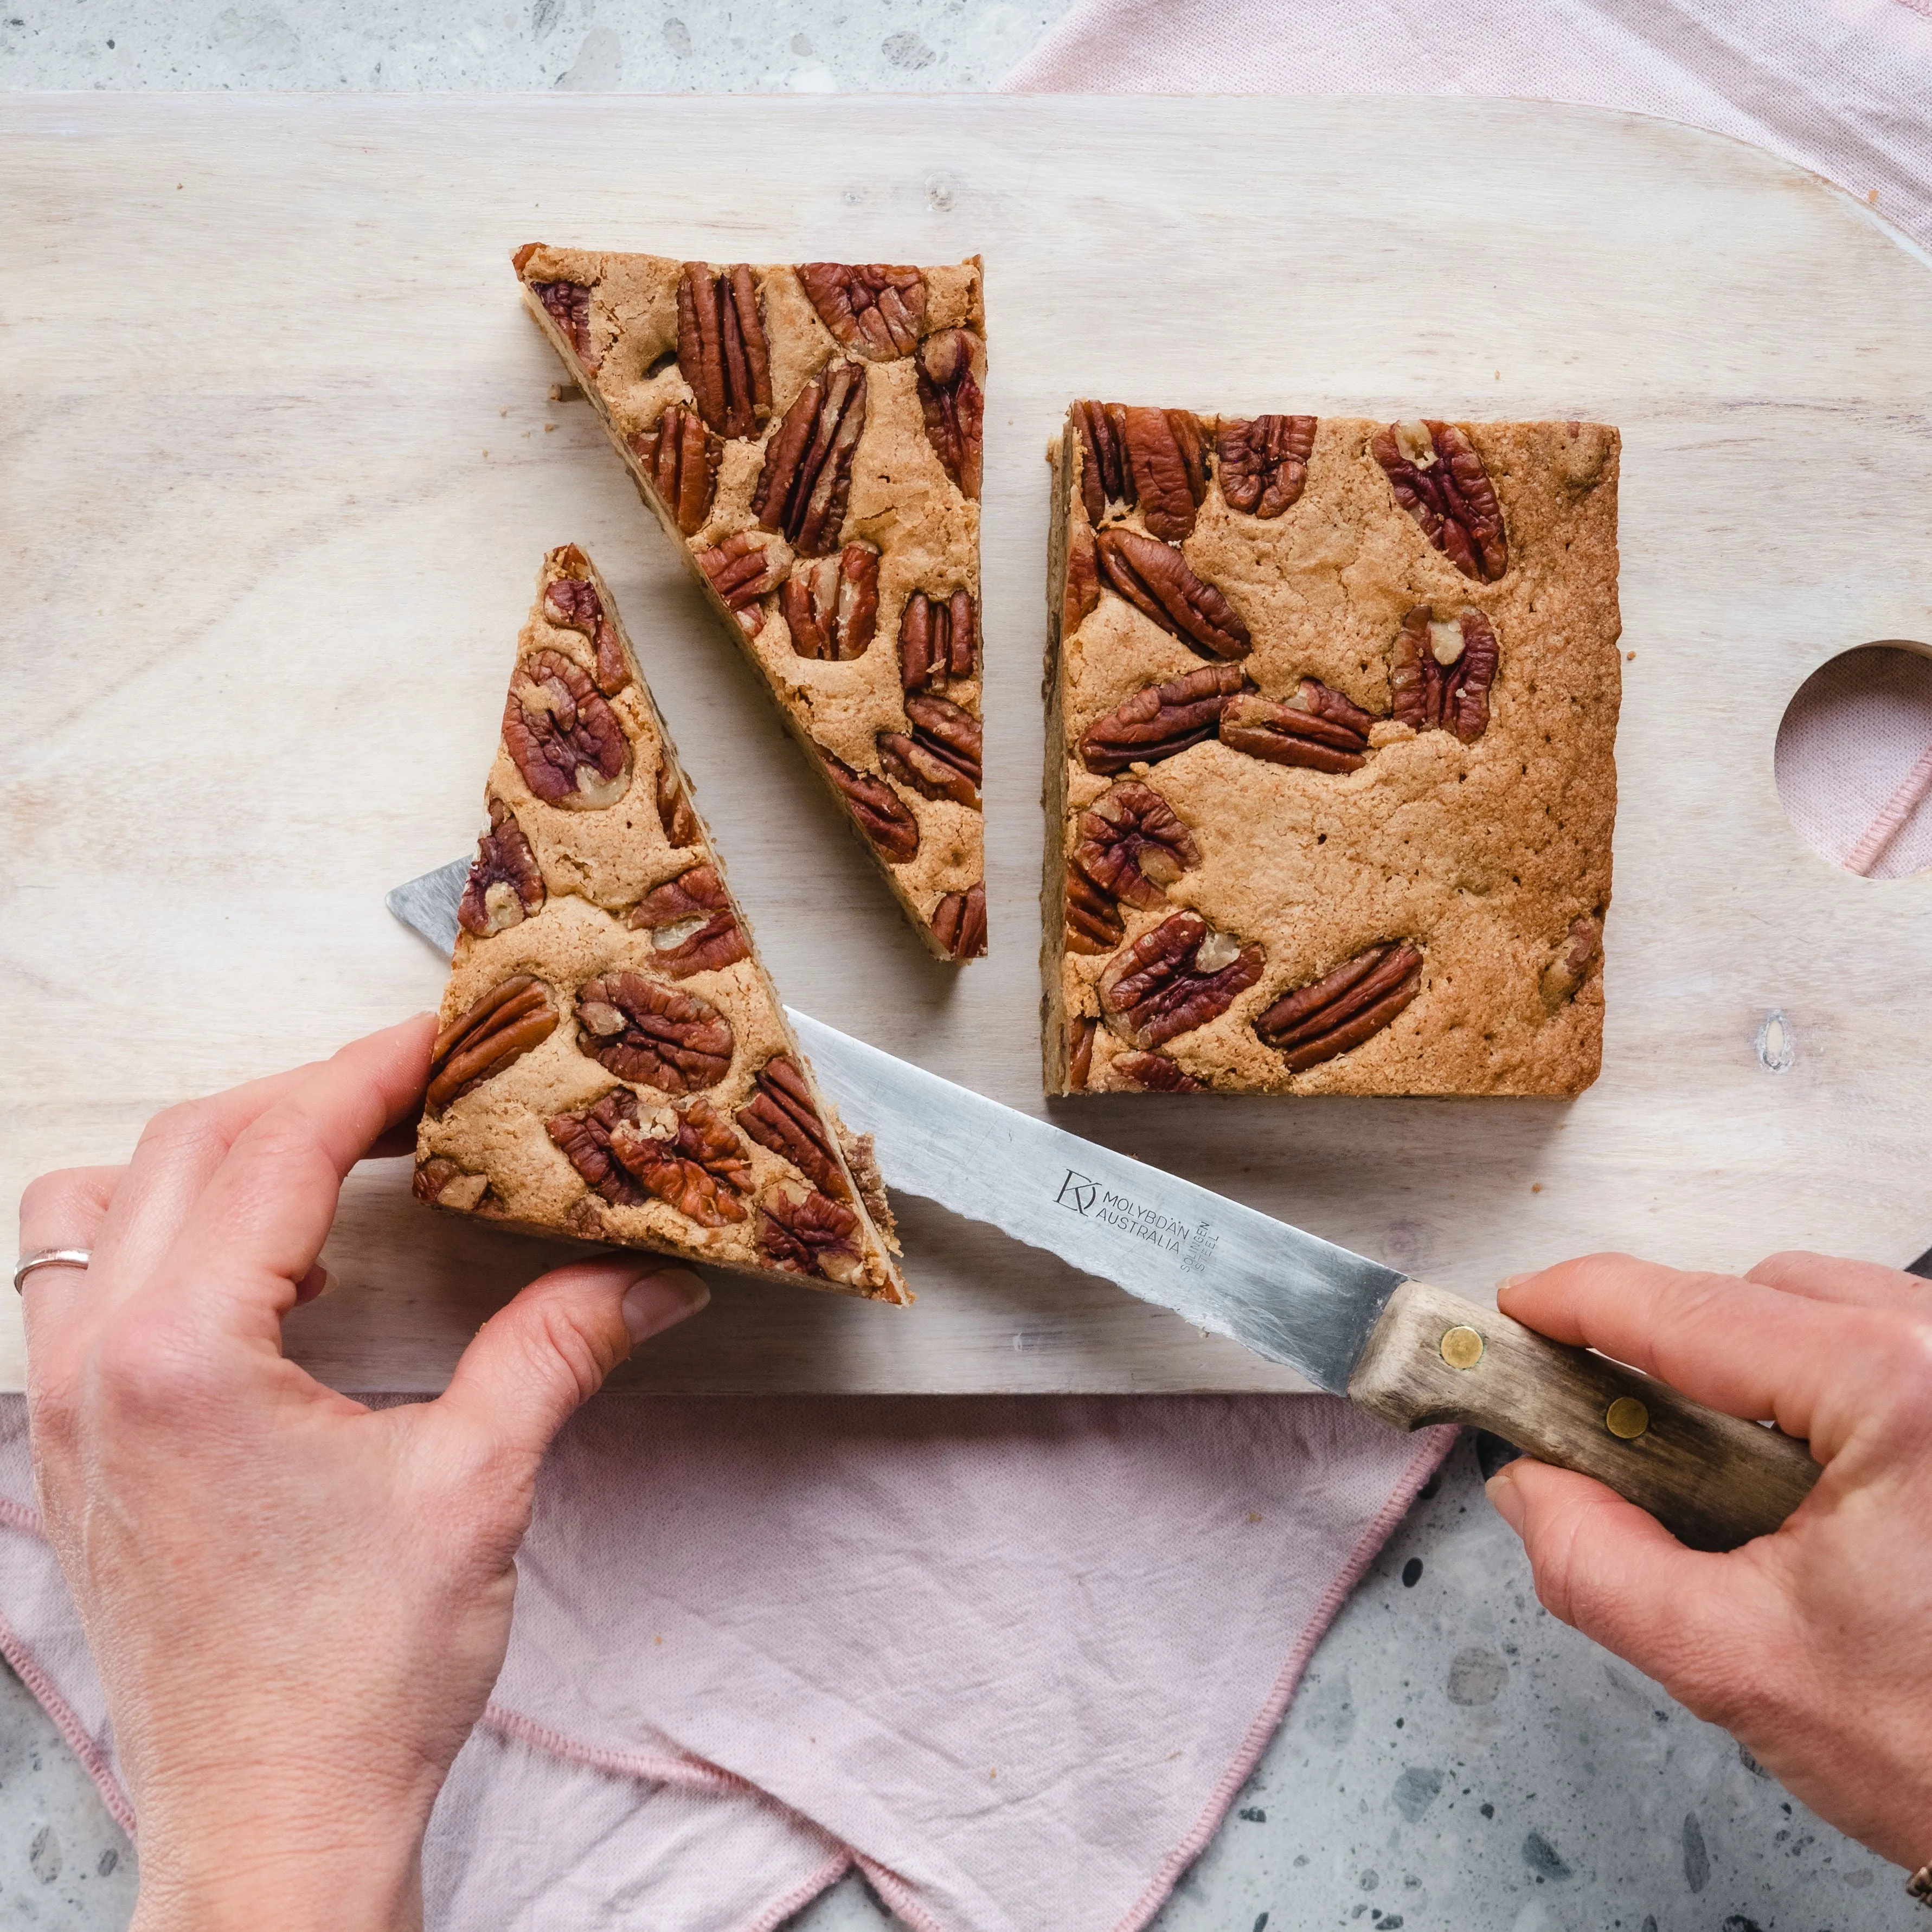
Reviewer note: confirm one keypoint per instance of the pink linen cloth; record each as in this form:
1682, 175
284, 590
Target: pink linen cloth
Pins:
1013, 1659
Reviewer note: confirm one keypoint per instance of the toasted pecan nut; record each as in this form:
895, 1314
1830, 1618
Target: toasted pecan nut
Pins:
875, 310
938, 640
959, 922
1130, 843
1155, 1071
783, 1116
674, 812
832, 607
806, 1232
1158, 580
1167, 467
681, 456
1105, 476
1094, 922
742, 571
585, 1138
505, 884
655, 1034
806, 481
721, 350
1263, 462
1342, 1009
883, 815
1571, 966
688, 1157
1177, 976
563, 736
568, 305
692, 924
1439, 479
440, 1183
1080, 592
1440, 670
1161, 719
495, 1033
950, 365
941, 757
1319, 729
1081, 1032
573, 603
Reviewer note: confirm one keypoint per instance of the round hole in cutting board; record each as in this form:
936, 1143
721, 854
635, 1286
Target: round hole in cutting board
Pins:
1854, 759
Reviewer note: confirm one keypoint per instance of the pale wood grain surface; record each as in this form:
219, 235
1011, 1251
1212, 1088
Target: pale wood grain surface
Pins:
277, 474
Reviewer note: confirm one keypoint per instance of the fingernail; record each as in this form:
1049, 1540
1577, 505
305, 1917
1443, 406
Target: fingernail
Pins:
1503, 1493
662, 1299
1508, 1282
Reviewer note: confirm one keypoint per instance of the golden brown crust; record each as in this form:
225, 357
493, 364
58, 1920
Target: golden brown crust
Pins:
1484, 853
606, 924
902, 502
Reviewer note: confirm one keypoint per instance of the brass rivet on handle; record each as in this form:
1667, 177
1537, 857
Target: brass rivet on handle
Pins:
1462, 1348
1626, 1418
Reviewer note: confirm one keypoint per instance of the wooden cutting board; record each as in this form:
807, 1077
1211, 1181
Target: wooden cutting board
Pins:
279, 465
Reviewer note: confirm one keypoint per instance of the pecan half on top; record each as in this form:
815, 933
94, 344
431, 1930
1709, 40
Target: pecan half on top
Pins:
1263, 462
1158, 580
1343, 1008
565, 738
1104, 478
1568, 970
1161, 719
440, 1182
806, 481
674, 812
949, 366
645, 1031
1080, 591
572, 603
741, 571
877, 310
568, 305
938, 639
506, 885
1318, 729
1438, 478
1155, 458
883, 815
1081, 1032
832, 607
1440, 670
941, 757
1093, 922
721, 351
495, 1033
681, 457
692, 924
806, 1232
1155, 1072
1129, 842
585, 1138
691, 1159
1177, 976
781, 1116
959, 922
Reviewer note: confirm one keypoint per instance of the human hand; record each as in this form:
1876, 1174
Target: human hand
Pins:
298, 1605
1810, 1645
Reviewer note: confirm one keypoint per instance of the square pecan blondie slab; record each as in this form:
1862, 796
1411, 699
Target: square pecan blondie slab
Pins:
1329, 776
810, 437
614, 1063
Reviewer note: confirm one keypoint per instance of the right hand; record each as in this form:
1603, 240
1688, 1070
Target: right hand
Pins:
1812, 1646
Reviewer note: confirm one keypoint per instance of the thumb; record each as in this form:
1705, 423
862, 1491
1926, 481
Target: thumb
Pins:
538, 1358
1612, 1571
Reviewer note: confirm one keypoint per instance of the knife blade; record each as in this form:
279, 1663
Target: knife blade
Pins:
1407, 1353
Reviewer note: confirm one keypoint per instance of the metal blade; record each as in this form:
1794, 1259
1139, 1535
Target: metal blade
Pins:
1286, 1295
428, 905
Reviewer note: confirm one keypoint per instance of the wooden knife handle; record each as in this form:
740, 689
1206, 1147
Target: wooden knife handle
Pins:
1712, 1480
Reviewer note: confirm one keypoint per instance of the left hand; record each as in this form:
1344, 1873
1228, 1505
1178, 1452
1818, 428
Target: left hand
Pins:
298, 1605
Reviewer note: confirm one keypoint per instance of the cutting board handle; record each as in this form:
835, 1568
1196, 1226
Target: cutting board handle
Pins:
1714, 1481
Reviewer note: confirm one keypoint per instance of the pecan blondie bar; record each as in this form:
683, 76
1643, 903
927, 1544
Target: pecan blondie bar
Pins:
810, 437
1329, 779
614, 1063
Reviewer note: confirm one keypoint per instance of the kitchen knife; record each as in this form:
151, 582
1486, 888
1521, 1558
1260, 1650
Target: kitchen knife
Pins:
1408, 1354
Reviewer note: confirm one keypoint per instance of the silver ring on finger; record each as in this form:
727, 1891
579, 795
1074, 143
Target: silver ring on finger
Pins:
73, 1258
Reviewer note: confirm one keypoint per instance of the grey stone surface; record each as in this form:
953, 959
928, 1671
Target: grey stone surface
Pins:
649, 45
